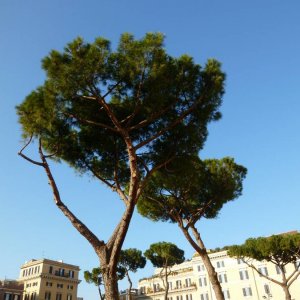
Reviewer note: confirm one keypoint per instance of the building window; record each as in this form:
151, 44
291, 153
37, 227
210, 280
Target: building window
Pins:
156, 287
200, 268
244, 274
70, 287
204, 296
60, 285
220, 264
267, 289
47, 295
170, 285
48, 283
278, 270
179, 298
189, 297
58, 296
7, 296
33, 296
188, 282
226, 294
247, 291
50, 269
71, 274
263, 271
222, 278
202, 281
69, 297
143, 289
178, 284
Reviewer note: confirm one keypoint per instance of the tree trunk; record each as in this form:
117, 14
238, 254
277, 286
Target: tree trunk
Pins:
110, 285
285, 284
100, 294
130, 284
286, 292
166, 283
201, 250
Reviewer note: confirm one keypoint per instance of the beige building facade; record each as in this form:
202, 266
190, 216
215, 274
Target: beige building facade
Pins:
189, 281
10, 290
47, 279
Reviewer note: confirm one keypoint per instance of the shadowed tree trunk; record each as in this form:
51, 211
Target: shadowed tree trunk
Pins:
201, 250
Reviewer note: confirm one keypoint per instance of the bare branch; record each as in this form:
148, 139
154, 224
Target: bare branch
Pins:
111, 89
116, 179
116, 240
26, 157
89, 122
82, 228
261, 274
293, 279
105, 181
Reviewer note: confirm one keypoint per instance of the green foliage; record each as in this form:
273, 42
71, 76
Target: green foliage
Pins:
131, 260
147, 91
190, 189
164, 254
95, 276
280, 249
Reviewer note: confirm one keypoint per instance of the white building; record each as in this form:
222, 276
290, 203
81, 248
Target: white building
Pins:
189, 281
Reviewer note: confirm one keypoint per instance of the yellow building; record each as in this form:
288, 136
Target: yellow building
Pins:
189, 281
47, 279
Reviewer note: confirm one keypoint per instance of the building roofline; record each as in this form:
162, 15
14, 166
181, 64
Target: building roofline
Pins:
33, 262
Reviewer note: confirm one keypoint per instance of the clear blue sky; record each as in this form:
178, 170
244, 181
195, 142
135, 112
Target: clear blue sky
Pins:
258, 44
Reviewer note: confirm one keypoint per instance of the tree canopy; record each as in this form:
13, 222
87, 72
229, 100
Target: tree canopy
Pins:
281, 250
201, 190
119, 115
164, 255
130, 261
189, 189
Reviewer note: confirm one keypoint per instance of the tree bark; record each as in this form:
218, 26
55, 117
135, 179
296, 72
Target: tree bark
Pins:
201, 250
286, 292
285, 285
110, 284
130, 284
100, 294
166, 283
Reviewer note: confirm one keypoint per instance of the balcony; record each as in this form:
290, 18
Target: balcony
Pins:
63, 274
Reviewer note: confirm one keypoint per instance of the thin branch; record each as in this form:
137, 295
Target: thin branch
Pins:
292, 280
89, 122
129, 118
111, 89
263, 275
26, 157
116, 179
199, 213
82, 228
105, 181
170, 126
150, 173
293, 273
117, 238
153, 117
